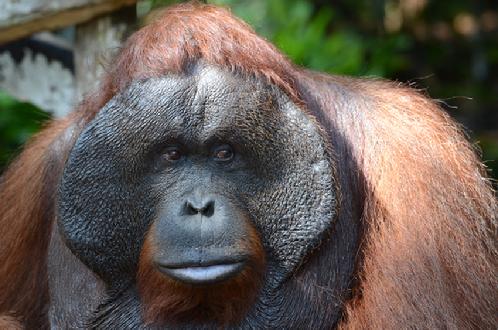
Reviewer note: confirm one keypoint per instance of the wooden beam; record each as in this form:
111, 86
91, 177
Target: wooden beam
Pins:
21, 18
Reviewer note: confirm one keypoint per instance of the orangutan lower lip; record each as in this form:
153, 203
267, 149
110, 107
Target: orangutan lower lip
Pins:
200, 274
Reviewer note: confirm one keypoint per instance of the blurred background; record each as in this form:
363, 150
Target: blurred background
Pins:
448, 49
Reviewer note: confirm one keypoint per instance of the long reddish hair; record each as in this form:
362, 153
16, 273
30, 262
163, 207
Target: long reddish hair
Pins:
429, 254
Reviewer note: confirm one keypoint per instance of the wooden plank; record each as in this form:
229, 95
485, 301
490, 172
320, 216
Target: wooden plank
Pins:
96, 43
20, 18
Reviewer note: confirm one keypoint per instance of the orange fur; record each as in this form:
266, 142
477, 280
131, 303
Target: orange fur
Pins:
429, 257
26, 214
9, 323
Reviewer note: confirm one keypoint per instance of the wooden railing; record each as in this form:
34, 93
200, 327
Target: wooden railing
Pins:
94, 29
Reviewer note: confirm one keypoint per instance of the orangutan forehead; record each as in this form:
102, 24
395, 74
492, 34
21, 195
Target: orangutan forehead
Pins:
201, 93
204, 103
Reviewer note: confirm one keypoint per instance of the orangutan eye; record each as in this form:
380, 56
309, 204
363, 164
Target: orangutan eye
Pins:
172, 154
223, 153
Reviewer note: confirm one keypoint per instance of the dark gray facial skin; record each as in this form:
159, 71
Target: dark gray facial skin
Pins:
119, 181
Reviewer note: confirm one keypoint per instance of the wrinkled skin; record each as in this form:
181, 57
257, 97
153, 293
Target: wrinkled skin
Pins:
118, 186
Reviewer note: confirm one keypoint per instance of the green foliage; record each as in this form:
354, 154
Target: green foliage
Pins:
18, 121
309, 36
306, 34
